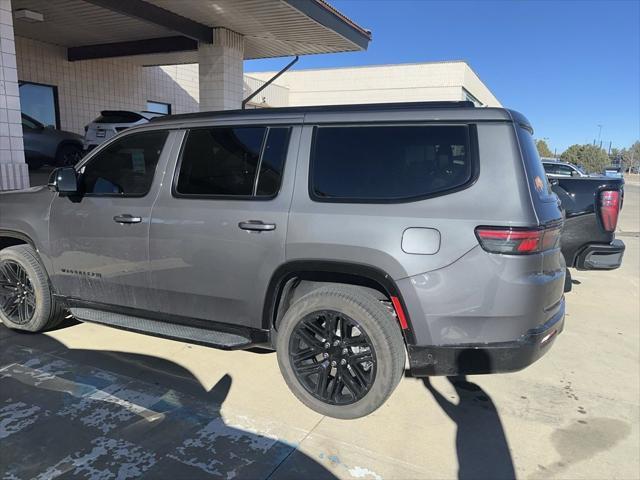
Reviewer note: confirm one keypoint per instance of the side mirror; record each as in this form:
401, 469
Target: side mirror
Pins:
553, 181
574, 173
64, 180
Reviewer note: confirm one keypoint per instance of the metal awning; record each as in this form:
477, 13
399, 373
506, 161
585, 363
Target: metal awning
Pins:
160, 32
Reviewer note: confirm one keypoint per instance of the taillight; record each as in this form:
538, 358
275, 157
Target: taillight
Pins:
518, 241
609, 209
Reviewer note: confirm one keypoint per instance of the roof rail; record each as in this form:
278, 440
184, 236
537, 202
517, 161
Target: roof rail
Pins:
322, 108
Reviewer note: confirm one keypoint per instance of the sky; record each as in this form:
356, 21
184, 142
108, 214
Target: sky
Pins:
569, 66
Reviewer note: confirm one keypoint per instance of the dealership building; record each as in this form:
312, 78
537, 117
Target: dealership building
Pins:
64, 61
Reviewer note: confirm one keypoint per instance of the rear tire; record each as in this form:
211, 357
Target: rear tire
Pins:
365, 359
26, 302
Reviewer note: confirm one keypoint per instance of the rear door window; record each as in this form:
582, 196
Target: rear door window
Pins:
235, 162
389, 163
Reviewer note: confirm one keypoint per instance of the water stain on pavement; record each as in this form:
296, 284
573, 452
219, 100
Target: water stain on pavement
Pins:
582, 440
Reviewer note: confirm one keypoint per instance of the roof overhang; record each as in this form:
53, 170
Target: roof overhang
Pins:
161, 32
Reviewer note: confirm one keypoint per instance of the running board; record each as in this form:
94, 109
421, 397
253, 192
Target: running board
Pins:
173, 331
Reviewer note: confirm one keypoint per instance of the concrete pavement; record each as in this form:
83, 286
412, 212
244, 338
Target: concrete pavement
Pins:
86, 401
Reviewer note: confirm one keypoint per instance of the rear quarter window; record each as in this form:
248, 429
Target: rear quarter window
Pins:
389, 163
535, 171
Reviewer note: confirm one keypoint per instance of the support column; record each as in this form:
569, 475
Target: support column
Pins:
14, 173
221, 71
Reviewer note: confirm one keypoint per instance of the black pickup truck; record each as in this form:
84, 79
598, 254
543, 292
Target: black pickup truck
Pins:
591, 206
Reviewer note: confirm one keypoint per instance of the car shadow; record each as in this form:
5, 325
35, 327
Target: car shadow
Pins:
104, 414
481, 444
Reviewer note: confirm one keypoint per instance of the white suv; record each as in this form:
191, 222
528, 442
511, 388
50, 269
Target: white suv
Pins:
556, 169
110, 122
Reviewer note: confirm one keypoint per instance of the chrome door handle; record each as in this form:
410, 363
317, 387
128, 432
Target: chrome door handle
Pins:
126, 218
257, 226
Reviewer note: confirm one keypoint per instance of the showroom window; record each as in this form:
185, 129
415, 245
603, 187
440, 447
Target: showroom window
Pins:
159, 107
126, 167
389, 163
40, 102
233, 162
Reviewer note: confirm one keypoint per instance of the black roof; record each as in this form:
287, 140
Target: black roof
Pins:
363, 107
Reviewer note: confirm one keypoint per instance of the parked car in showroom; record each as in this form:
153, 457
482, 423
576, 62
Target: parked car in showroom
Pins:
43, 144
346, 238
111, 122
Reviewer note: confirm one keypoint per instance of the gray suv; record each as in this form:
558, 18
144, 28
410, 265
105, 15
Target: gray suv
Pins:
348, 239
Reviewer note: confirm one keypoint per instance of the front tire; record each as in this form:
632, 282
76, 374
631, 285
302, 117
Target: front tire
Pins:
340, 351
26, 302
68, 155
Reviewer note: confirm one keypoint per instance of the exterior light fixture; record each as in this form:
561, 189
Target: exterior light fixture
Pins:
30, 16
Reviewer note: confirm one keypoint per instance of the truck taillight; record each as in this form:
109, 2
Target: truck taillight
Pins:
518, 241
609, 209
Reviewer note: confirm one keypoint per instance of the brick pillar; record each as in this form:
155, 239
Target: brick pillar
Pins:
14, 173
220, 71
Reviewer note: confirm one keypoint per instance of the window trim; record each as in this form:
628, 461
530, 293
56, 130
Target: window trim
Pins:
116, 140
473, 157
253, 196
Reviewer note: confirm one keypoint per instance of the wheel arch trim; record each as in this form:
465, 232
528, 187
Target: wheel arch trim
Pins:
323, 270
18, 236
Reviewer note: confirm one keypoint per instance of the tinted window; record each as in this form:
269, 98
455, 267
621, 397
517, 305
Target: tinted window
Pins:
389, 162
220, 161
118, 117
549, 168
272, 163
564, 170
535, 171
125, 167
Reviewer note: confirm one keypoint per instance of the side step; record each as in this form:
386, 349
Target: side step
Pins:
190, 334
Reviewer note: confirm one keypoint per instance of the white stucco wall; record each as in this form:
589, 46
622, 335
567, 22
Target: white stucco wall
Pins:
383, 83
273, 96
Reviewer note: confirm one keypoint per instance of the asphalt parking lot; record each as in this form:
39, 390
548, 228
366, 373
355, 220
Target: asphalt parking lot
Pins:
86, 401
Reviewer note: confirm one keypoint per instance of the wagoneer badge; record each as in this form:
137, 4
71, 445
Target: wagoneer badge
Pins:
69, 271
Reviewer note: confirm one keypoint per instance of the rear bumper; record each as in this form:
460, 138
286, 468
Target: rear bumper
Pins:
486, 358
601, 256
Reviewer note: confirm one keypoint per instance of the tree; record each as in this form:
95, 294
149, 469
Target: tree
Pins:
631, 157
592, 158
543, 149
614, 154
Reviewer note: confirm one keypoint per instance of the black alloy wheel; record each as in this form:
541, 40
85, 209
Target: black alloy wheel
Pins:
17, 295
332, 357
